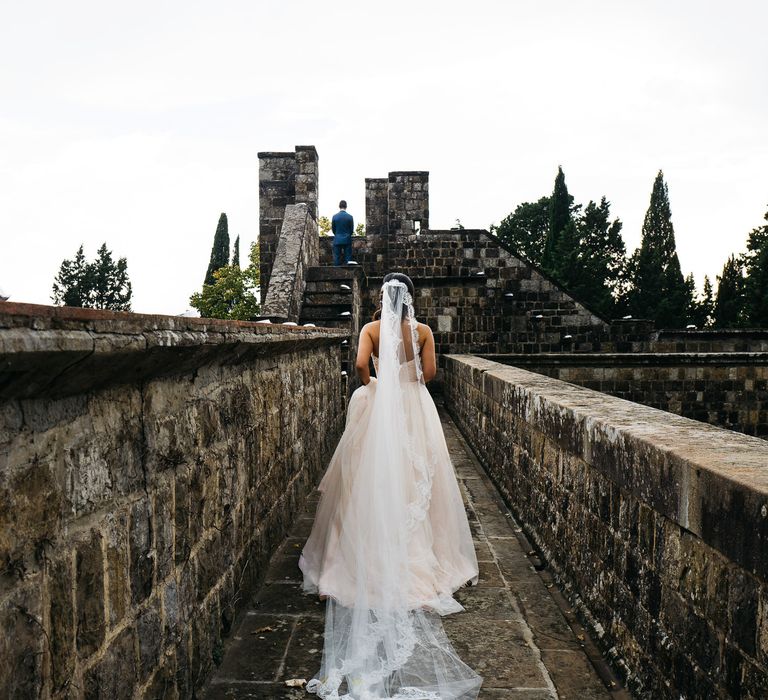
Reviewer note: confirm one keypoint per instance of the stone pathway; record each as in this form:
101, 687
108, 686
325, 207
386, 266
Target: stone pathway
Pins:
517, 631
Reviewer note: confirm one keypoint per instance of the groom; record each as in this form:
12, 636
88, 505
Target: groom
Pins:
342, 225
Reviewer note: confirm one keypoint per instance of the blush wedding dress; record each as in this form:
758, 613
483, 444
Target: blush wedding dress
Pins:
391, 542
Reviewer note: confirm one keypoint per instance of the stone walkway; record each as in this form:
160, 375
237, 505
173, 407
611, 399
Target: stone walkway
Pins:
517, 631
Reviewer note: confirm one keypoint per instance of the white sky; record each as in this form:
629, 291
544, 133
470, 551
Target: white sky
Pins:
139, 123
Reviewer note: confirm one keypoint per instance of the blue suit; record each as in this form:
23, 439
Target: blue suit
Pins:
343, 226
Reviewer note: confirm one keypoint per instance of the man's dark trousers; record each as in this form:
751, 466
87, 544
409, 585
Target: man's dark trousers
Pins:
342, 225
342, 250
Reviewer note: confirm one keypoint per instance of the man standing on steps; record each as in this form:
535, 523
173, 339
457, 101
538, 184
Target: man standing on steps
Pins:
342, 225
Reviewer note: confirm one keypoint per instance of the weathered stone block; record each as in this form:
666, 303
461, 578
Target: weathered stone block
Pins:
142, 555
115, 534
149, 631
62, 621
164, 517
114, 676
89, 594
742, 610
21, 644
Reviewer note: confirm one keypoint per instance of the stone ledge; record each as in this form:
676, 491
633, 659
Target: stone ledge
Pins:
665, 359
276, 154
48, 351
709, 480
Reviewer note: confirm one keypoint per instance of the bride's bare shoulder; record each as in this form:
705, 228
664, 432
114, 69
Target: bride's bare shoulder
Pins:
372, 327
424, 332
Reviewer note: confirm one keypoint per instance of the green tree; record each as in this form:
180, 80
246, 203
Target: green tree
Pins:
219, 250
234, 293
324, 225
691, 297
71, 285
360, 229
236, 253
729, 311
559, 216
756, 281
590, 258
658, 289
110, 286
525, 229
101, 284
703, 307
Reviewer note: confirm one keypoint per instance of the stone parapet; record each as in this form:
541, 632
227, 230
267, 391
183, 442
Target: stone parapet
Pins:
655, 525
149, 465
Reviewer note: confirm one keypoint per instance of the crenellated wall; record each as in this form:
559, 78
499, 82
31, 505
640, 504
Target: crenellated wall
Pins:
149, 466
656, 526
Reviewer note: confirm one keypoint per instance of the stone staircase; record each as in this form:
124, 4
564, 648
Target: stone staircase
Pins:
333, 299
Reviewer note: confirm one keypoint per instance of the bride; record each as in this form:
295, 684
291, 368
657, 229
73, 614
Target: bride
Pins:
391, 542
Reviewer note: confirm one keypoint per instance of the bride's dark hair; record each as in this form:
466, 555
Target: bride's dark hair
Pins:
407, 281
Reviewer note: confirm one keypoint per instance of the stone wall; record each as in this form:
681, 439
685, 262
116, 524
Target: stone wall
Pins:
655, 526
477, 296
725, 389
407, 202
297, 251
284, 178
376, 206
148, 467
724, 340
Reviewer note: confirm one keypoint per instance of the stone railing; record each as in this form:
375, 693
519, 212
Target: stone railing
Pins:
729, 389
149, 465
297, 251
709, 340
655, 525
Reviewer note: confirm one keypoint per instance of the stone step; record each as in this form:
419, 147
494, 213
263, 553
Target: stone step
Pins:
328, 322
329, 286
324, 311
327, 298
343, 272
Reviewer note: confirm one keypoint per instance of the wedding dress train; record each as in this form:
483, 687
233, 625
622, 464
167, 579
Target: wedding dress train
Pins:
391, 542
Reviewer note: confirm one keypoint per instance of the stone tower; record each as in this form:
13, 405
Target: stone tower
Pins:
397, 204
284, 178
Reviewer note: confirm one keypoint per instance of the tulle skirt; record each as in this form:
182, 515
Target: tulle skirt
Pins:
389, 546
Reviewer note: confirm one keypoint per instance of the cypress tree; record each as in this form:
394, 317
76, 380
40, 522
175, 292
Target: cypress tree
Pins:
110, 286
690, 297
71, 285
590, 258
756, 282
236, 253
703, 309
559, 216
659, 291
729, 302
219, 251
101, 284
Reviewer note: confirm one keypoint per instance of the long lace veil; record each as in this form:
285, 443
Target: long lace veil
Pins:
382, 639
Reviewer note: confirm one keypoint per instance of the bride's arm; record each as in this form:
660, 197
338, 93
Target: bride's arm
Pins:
364, 350
428, 361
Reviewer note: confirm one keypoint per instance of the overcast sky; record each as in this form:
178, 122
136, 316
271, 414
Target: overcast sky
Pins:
139, 123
